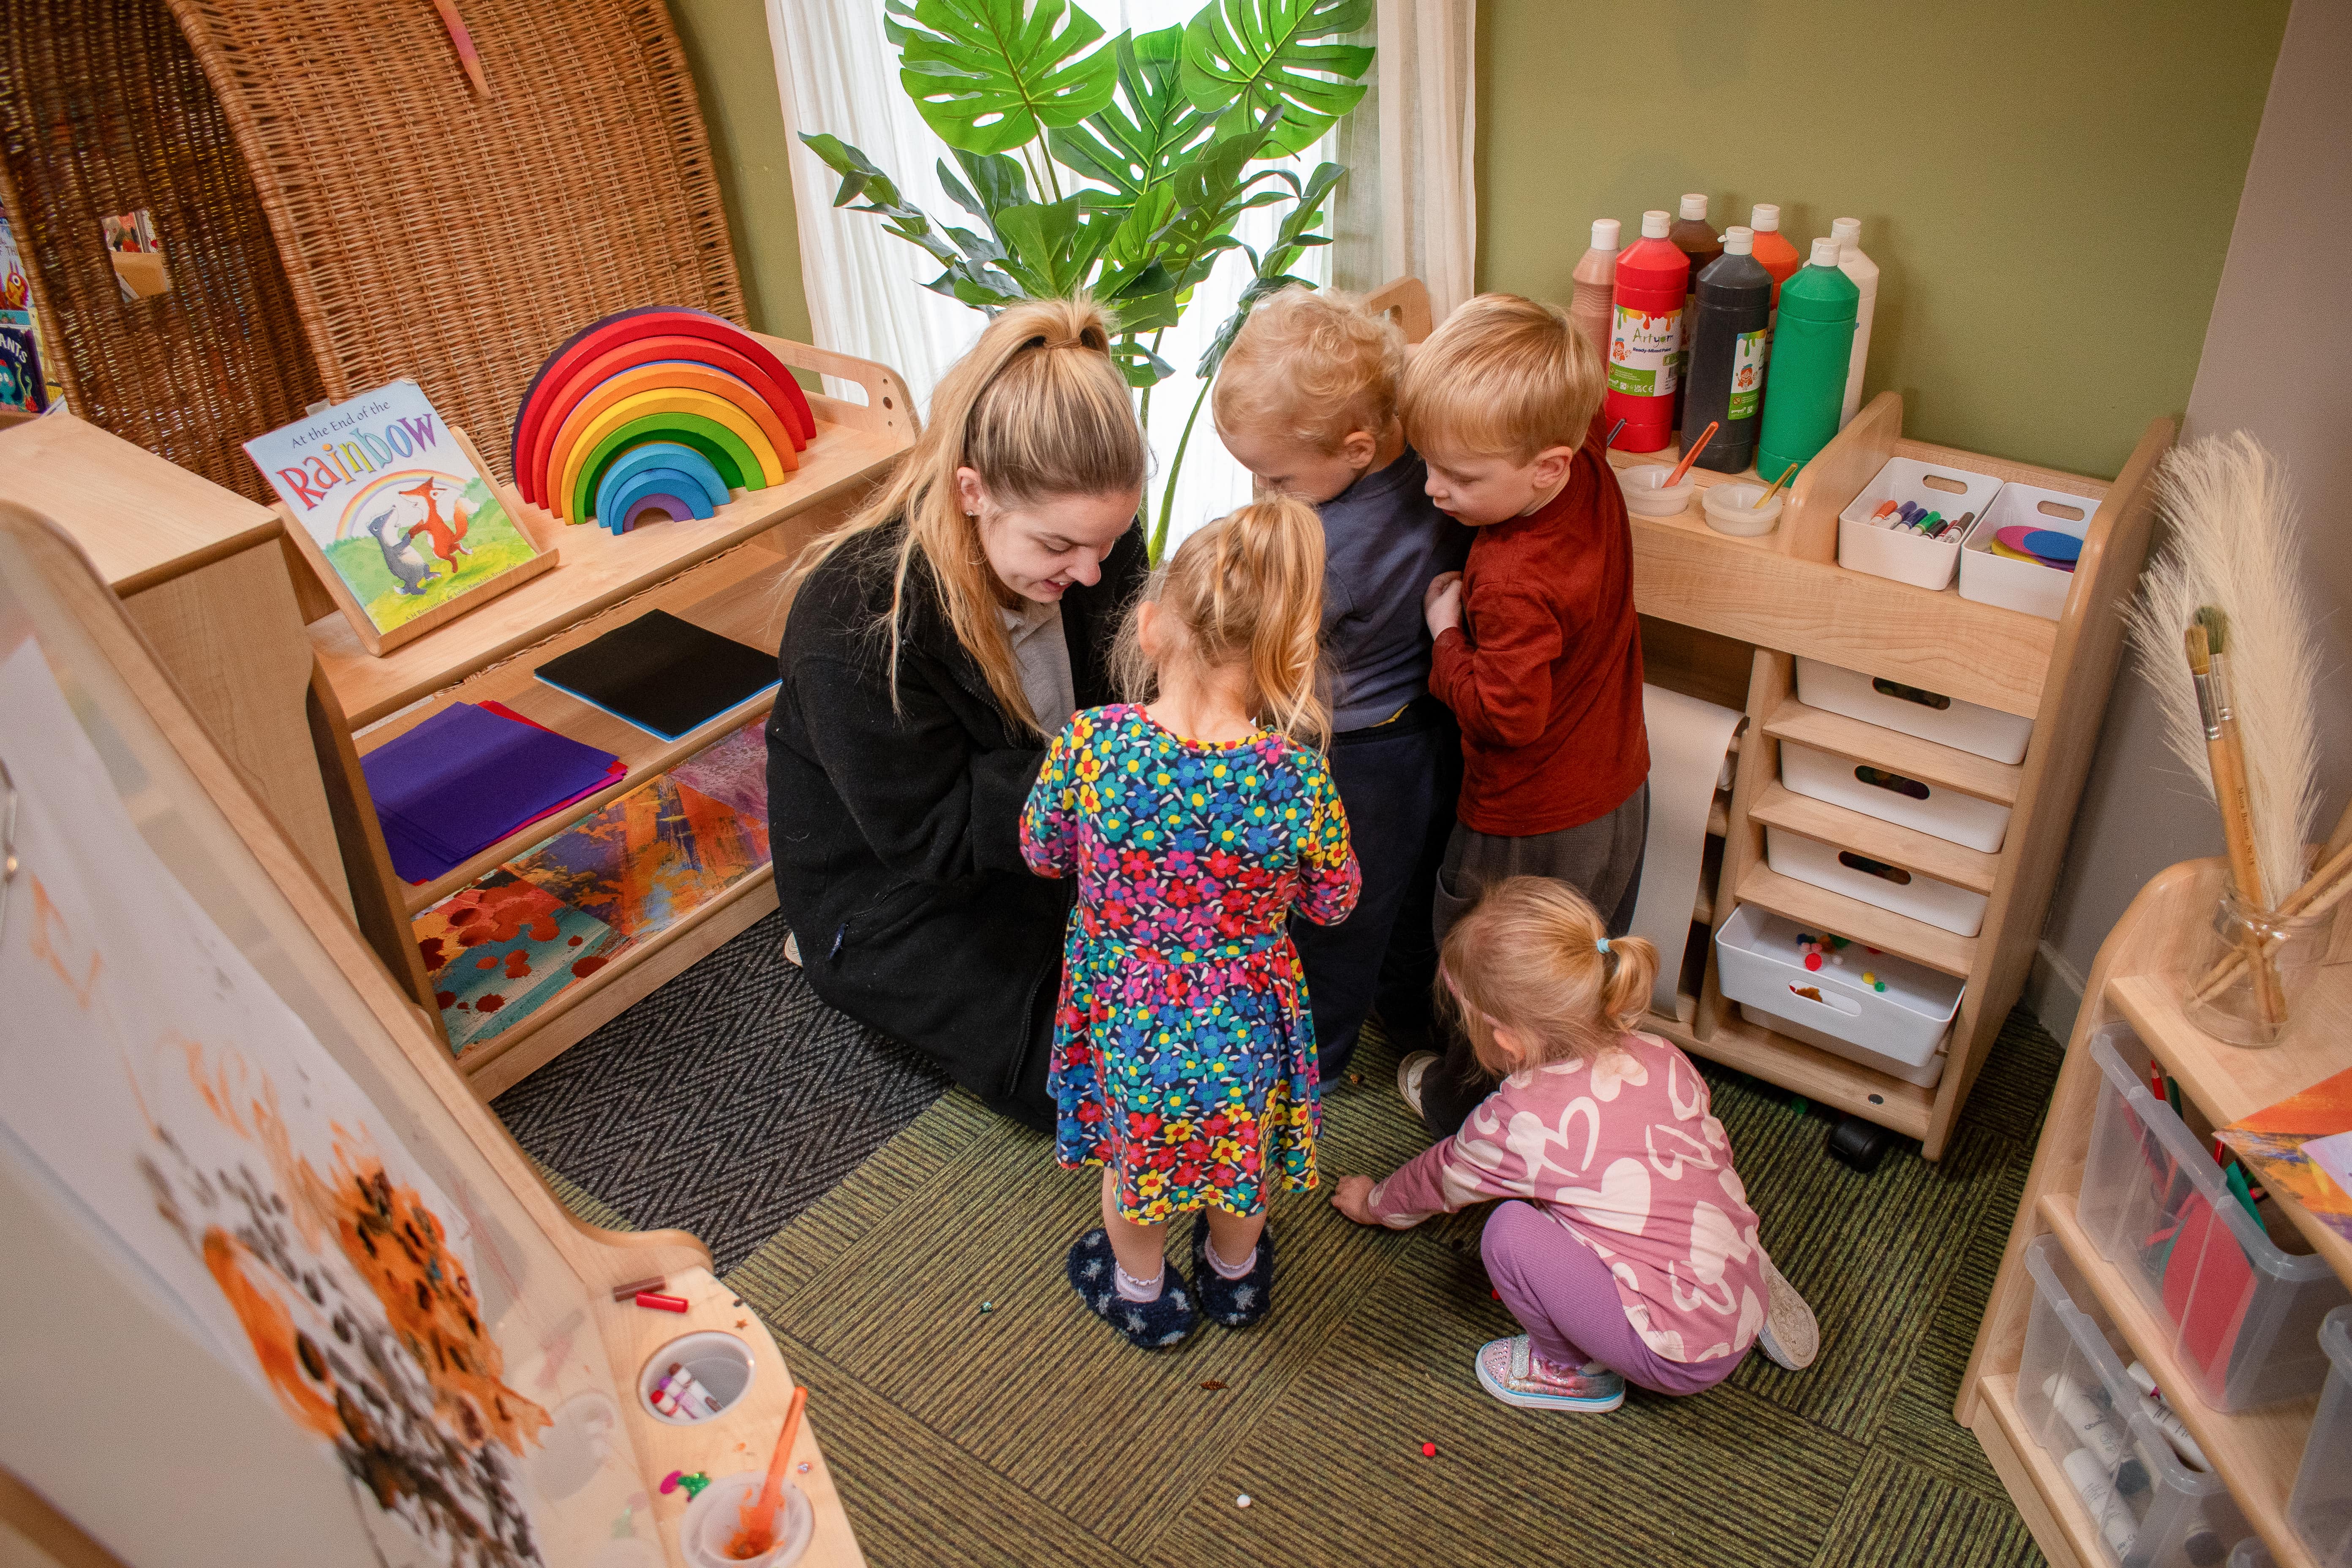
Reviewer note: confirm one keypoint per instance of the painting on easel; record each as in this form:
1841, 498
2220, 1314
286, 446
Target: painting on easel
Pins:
160, 1078
393, 509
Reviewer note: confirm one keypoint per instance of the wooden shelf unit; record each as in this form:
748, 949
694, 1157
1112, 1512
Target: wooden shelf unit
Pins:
724, 573
1725, 619
2138, 978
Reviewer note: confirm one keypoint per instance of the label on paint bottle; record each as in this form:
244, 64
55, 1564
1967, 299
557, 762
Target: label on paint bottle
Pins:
1747, 373
1644, 346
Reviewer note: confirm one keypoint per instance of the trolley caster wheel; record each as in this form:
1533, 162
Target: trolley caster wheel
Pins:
1858, 1144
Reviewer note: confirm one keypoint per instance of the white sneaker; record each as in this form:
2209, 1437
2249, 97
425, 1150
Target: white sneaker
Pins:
1790, 1335
1410, 1072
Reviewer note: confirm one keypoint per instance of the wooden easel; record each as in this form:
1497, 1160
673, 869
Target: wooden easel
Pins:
154, 1447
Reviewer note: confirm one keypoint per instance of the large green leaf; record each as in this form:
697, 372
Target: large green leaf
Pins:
1262, 55
1273, 269
987, 75
972, 275
1133, 145
1050, 246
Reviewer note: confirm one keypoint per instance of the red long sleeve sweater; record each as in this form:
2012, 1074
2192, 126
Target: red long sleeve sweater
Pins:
1547, 682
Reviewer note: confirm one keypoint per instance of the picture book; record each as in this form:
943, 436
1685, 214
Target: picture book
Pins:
2291, 1146
21, 387
392, 505
500, 950
646, 861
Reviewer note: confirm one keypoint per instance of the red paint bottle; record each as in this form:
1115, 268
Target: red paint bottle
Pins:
1645, 337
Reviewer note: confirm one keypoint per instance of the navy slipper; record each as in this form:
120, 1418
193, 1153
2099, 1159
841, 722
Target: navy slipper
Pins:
1148, 1325
1235, 1303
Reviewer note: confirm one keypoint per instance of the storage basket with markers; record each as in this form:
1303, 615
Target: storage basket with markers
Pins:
2152, 1497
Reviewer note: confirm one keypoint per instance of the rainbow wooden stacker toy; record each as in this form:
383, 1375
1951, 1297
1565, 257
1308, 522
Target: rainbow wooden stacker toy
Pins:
657, 409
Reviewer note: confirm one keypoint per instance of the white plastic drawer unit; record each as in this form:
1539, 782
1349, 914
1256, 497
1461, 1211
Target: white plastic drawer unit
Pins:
1914, 710
1893, 887
1894, 797
1761, 962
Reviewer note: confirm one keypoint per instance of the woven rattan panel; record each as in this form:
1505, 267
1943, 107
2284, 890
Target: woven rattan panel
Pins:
431, 233
103, 110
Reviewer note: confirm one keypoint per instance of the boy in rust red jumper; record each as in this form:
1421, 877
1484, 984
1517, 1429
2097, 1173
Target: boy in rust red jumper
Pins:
1538, 652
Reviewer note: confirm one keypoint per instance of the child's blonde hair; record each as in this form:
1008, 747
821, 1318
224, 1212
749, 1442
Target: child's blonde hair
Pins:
1534, 958
1245, 590
1038, 410
1503, 377
1315, 364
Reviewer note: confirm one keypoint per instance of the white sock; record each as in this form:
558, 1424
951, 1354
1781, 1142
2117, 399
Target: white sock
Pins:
1130, 1288
1230, 1270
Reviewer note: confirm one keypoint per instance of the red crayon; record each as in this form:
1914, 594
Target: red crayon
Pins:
660, 1302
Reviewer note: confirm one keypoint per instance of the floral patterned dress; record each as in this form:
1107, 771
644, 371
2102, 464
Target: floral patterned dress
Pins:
1183, 1050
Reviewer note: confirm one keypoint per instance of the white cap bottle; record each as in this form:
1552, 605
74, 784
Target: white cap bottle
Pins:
1738, 240
1765, 219
1694, 206
1847, 231
1826, 252
1605, 231
1655, 223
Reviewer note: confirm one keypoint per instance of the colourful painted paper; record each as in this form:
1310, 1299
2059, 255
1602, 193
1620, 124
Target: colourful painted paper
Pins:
501, 950
650, 859
2272, 1142
733, 771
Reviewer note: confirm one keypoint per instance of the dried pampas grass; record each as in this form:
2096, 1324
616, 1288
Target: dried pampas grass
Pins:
2236, 544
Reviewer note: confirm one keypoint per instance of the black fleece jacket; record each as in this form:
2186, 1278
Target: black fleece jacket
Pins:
897, 834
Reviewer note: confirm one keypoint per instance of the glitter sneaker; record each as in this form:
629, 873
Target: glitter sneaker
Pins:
1148, 1325
1790, 1335
1512, 1372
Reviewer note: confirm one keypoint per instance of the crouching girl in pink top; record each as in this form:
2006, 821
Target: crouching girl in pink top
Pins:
1628, 1250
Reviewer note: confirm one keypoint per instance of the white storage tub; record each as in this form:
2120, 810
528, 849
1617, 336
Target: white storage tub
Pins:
1865, 547
2320, 1509
1892, 797
2149, 1507
2027, 585
2244, 1314
1900, 1031
1906, 892
1929, 715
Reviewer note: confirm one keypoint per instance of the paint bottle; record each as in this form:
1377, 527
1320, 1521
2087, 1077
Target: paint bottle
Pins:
1595, 277
1847, 232
1727, 352
1695, 238
1780, 257
1810, 351
1645, 335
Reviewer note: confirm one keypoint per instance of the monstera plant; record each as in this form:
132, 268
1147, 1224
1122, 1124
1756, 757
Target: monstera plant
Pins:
1120, 166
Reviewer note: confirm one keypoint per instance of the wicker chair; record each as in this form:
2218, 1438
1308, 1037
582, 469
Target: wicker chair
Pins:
418, 228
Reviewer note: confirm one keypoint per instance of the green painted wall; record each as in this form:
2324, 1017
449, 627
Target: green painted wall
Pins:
2047, 184
735, 73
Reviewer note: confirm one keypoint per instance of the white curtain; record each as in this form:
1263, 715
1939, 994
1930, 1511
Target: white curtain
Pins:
837, 73
1428, 224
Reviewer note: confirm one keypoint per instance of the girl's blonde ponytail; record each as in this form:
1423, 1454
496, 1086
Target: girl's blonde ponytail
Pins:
1247, 590
1038, 410
1533, 956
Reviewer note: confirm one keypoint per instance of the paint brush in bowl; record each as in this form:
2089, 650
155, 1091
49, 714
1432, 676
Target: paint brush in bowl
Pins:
1769, 494
1691, 456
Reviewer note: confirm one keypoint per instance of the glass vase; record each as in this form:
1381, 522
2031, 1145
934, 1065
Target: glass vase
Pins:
2252, 969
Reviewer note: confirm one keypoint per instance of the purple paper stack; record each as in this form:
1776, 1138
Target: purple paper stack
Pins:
466, 778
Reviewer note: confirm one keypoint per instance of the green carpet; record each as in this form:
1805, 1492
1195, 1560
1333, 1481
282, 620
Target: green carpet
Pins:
1030, 1435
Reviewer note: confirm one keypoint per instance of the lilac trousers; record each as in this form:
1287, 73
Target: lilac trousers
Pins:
1564, 1296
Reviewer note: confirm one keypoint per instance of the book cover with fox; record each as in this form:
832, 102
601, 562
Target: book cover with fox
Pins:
397, 508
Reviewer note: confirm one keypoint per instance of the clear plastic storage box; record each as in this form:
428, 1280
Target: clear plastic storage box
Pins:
2320, 1510
2149, 1506
2253, 1553
2244, 1314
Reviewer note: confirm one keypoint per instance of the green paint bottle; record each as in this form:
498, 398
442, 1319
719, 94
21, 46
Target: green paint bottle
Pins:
1813, 348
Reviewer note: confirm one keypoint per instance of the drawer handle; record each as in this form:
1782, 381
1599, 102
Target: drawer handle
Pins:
1895, 689
1879, 869
1879, 778
1836, 1003
2052, 508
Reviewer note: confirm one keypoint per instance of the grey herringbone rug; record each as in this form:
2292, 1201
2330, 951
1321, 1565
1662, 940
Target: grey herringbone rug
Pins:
724, 1103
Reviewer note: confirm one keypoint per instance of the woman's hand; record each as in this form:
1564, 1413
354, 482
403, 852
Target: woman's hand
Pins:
1353, 1197
1441, 604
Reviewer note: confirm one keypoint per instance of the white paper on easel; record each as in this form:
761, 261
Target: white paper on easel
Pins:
157, 1075
1690, 745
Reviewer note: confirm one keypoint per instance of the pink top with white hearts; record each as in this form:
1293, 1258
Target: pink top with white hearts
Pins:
1621, 1149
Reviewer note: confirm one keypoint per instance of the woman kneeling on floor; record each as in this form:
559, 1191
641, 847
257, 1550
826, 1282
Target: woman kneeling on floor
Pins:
1630, 1253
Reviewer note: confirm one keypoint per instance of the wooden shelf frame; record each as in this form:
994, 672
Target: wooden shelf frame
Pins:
1770, 600
2138, 978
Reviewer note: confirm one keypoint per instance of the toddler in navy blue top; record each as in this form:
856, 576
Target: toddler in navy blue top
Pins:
1305, 400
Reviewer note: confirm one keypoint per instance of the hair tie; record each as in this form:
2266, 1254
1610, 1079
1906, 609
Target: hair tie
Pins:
1602, 945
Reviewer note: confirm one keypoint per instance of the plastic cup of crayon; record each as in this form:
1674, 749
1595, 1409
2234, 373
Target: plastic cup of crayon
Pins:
1732, 509
1647, 492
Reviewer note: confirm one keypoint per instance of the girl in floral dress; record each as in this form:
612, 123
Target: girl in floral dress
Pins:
1183, 1050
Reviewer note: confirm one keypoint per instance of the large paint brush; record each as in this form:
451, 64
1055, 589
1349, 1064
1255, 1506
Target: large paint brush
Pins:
2205, 639
757, 1531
